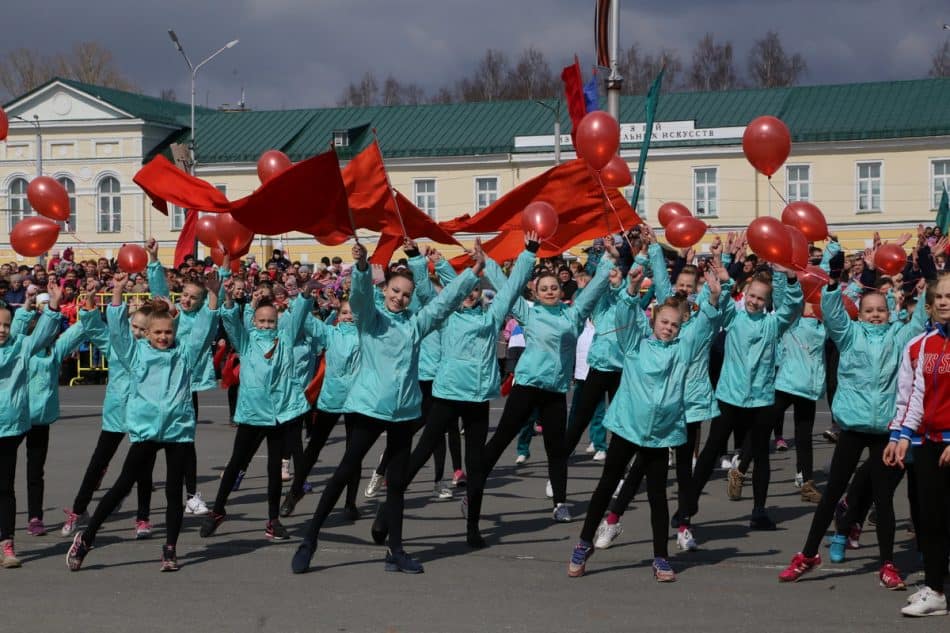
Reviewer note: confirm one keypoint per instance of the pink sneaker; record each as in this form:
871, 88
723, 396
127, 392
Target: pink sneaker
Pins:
891, 577
36, 527
143, 529
8, 558
458, 479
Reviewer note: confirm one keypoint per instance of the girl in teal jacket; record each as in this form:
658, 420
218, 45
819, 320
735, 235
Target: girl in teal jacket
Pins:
271, 400
648, 416
385, 395
545, 370
159, 416
864, 405
15, 352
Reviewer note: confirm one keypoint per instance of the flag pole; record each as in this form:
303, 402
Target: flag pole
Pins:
390, 185
349, 209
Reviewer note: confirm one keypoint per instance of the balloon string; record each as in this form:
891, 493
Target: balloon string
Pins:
623, 231
779, 193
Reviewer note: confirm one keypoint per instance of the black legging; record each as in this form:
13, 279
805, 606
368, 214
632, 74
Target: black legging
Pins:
232, 400
933, 488
247, 439
654, 464
684, 475
438, 454
804, 416
445, 414
191, 459
596, 386
8, 452
552, 407
884, 480
293, 442
860, 497
323, 424
106, 447
37, 445
756, 422
365, 431
141, 456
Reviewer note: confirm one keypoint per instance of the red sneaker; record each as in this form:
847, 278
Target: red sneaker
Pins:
891, 577
799, 566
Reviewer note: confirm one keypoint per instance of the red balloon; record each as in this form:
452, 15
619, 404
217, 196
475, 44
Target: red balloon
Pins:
616, 173
799, 242
598, 138
807, 218
890, 259
684, 232
271, 163
812, 279
217, 256
49, 198
769, 239
766, 143
669, 211
207, 230
232, 235
33, 236
541, 218
132, 258
4, 125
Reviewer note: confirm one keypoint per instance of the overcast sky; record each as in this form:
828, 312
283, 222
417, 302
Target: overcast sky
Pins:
302, 53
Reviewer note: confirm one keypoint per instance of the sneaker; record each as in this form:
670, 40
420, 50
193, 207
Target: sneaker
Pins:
854, 536
76, 554
809, 493
210, 524
275, 531
891, 577
928, 602
72, 522
799, 480
379, 530
734, 484
837, 546
143, 529
600, 456
373, 486
561, 513
917, 594
799, 566
831, 436
36, 527
662, 570
685, 541
441, 491
669, 459
302, 557
289, 503
735, 461
196, 505
781, 445
606, 534
761, 521
169, 558
590, 448
578, 564
238, 480
401, 561
8, 558
351, 513
459, 480
725, 464
548, 490
521, 459
285, 470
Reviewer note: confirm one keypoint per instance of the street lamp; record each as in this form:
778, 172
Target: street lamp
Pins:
557, 128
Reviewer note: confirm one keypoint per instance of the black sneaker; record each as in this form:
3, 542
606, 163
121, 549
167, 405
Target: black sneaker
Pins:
352, 513
275, 531
401, 561
474, 538
210, 524
290, 502
379, 530
761, 521
169, 558
77, 552
301, 560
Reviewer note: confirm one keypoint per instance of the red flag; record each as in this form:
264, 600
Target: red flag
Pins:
163, 182
186, 239
574, 92
385, 248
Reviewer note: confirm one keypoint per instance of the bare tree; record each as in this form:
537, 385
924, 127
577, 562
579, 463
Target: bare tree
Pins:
940, 63
414, 94
443, 95
23, 69
639, 71
362, 94
771, 67
712, 67
531, 78
392, 92
168, 94
488, 81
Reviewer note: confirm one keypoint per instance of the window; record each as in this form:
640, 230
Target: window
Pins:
642, 205
869, 187
70, 187
178, 214
486, 192
341, 138
941, 179
706, 188
18, 205
110, 205
798, 182
425, 195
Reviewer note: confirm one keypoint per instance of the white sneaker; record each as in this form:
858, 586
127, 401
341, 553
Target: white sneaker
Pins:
735, 460
607, 534
685, 541
590, 448
600, 456
927, 602
799, 480
441, 491
561, 513
548, 490
669, 461
914, 595
521, 459
617, 490
726, 463
285, 470
196, 505
373, 486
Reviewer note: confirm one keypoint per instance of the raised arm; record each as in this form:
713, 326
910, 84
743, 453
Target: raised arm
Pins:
509, 292
630, 322
836, 319
155, 273
300, 308
916, 325
791, 307
362, 301
831, 250
431, 316
708, 317
423, 292
662, 283
120, 335
69, 341
587, 301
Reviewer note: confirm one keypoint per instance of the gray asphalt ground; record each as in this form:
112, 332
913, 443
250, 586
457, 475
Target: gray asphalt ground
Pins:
238, 581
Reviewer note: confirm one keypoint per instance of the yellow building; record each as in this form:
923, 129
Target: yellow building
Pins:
872, 156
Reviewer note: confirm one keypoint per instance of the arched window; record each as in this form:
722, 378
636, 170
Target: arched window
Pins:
17, 204
70, 188
110, 205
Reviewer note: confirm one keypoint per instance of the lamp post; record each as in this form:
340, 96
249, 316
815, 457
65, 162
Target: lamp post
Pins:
557, 128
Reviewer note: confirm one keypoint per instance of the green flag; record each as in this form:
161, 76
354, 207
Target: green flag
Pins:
943, 213
653, 98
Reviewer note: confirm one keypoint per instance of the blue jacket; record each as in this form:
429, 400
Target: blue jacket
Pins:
120, 385
551, 335
15, 372
430, 352
387, 386
342, 366
44, 372
801, 359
